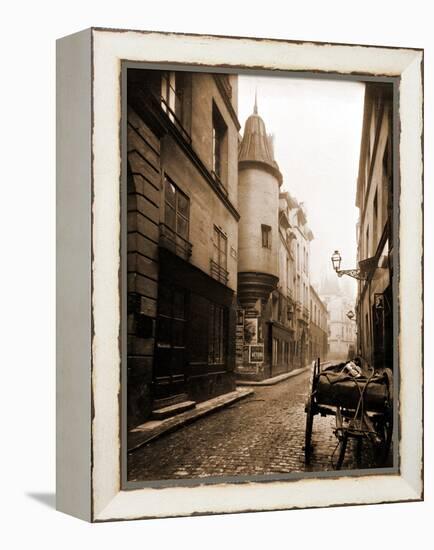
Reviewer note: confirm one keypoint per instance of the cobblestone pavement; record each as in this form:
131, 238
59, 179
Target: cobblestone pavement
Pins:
262, 434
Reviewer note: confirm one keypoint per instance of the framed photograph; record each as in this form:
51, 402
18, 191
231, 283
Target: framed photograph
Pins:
239, 296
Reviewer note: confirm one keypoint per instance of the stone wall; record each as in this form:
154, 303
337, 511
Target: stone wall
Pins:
144, 185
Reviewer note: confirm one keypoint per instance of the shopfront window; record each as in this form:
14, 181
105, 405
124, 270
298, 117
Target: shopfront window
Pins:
216, 334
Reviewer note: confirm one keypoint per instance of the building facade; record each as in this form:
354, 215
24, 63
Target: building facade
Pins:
341, 329
258, 246
183, 218
375, 228
273, 333
302, 238
318, 327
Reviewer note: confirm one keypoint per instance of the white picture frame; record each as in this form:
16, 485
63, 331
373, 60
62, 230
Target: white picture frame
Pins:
88, 265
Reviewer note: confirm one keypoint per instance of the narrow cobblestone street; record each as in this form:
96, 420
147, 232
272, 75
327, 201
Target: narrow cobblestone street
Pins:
262, 434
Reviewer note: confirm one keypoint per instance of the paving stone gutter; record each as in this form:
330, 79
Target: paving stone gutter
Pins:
274, 379
139, 436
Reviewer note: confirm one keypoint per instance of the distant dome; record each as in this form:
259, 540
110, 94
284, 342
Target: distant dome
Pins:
330, 286
256, 147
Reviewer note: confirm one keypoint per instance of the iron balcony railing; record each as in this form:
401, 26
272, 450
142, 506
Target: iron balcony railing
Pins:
218, 272
174, 242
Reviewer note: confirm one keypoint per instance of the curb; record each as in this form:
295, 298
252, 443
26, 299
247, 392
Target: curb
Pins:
151, 430
274, 380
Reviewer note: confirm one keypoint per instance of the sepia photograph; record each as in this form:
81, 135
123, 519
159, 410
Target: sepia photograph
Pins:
260, 280
221, 234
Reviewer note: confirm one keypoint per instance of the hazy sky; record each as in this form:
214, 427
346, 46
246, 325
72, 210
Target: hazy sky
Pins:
317, 130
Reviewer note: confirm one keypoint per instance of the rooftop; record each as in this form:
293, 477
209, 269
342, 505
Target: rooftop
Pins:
256, 145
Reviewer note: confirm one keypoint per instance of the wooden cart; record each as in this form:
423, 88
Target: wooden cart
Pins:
363, 408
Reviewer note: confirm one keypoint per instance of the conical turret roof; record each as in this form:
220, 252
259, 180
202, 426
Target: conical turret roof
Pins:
255, 145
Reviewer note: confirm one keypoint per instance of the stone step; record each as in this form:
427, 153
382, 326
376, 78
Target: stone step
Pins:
168, 401
172, 410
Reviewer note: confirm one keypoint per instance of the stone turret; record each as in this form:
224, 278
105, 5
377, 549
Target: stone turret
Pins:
258, 198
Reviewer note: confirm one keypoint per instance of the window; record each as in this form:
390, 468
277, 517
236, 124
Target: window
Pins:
172, 94
198, 331
375, 215
367, 335
274, 307
171, 330
219, 144
281, 309
266, 236
177, 209
216, 334
175, 230
207, 332
286, 353
275, 351
220, 248
287, 276
289, 310
176, 99
168, 94
220, 256
367, 243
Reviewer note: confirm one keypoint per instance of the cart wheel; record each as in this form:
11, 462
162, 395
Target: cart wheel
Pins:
342, 450
385, 431
309, 409
359, 451
308, 433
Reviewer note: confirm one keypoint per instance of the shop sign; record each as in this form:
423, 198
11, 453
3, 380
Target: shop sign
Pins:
257, 353
239, 345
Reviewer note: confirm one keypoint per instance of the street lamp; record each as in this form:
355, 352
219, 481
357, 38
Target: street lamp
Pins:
351, 315
336, 262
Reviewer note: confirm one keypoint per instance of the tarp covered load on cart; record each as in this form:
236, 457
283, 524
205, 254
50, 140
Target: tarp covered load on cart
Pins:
336, 386
362, 404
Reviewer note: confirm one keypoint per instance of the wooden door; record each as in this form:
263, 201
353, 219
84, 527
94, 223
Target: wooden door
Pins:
170, 343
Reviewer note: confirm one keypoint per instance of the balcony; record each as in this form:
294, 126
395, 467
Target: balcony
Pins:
175, 243
219, 273
305, 313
